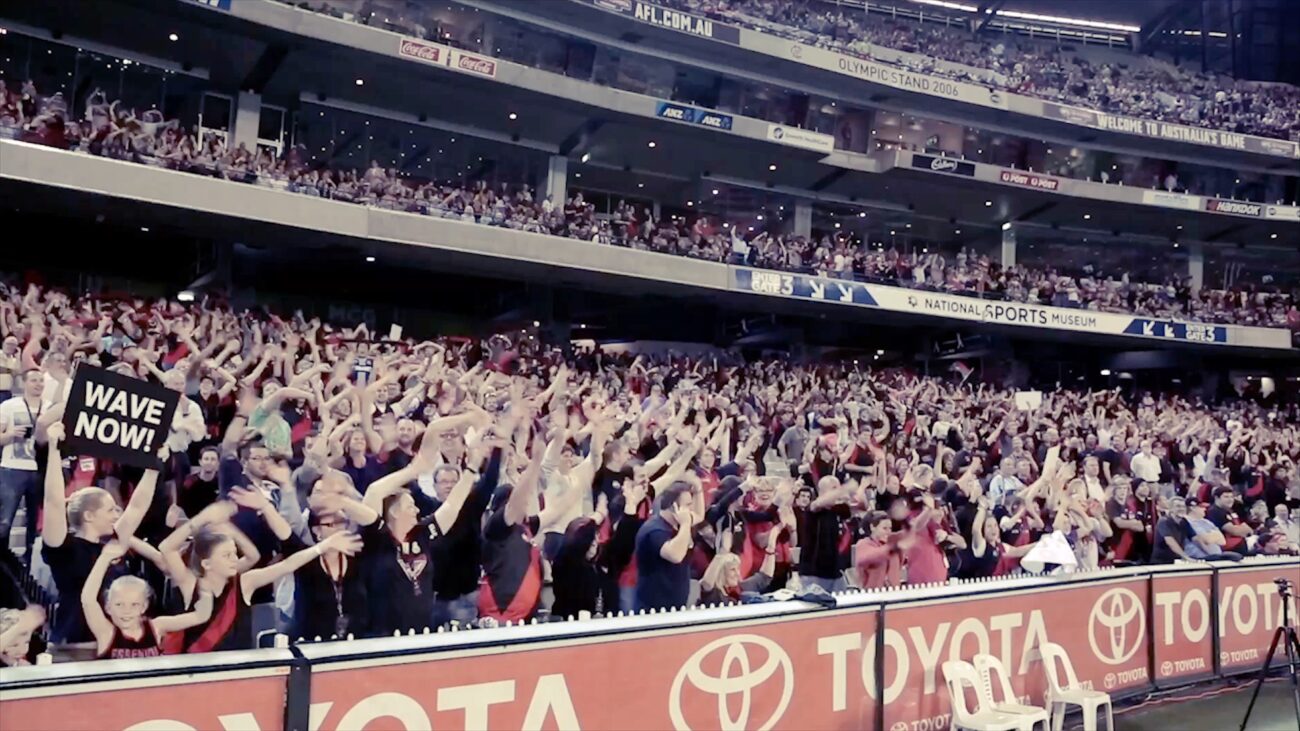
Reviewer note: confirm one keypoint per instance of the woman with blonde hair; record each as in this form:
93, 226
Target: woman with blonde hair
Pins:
722, 584
75, 529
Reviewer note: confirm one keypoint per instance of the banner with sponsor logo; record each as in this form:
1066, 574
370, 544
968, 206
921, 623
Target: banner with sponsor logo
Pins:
1182, 626
943, 165
418, 50
997, 312
692, 115
179, 701
1170, 199
1235, 208
1029, 180
1169, 131
472, 63
873, 662
673, 20
1250, 609
802, 138
1283, 213
896, 77
1102, 626
716, 676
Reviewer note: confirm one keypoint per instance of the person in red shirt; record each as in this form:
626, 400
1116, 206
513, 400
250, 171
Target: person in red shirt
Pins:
879, 556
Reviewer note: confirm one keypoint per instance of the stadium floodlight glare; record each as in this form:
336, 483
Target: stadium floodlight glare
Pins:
1272, 236
513, 116
1082, 22
772, 167
1006, 226
370, 259
585, 156
185, 295
1105, 371
361, 82
948, 5
173, 37
988, 204
651, 144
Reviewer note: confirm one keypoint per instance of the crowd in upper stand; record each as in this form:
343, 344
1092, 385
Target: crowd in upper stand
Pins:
109, 129
1138, 87
1131, 85
324, 482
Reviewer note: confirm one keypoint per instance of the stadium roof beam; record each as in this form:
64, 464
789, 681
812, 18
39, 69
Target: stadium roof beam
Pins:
1034, 212
581, 136
1158, 23
828, 179
268, 62
415, 158
987, 12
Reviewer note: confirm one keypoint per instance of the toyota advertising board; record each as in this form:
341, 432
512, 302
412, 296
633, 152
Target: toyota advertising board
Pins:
1182, 625
1102, 625
1250, 609
197, 695
736, 675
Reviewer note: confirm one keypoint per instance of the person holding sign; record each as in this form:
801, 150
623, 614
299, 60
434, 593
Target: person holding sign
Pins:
120, 627
75, 530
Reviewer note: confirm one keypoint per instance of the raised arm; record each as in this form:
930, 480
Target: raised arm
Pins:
141, 499
345, 543
54, 528
96, 620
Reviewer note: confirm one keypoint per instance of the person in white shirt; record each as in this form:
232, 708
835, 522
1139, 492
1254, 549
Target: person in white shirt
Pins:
1145, 466
564, 471
10, 365
1005, 482
19, 478
1092, 479
187, 426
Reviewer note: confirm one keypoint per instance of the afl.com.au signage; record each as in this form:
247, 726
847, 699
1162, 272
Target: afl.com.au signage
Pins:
673, 20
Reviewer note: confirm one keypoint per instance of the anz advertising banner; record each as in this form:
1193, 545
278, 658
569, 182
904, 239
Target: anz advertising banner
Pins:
937, 304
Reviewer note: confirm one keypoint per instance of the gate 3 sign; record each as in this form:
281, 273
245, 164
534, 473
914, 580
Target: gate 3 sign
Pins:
118, 418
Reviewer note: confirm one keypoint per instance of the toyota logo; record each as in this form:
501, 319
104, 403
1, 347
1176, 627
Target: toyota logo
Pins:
1111, 630
778, 133
736, 675
796, 51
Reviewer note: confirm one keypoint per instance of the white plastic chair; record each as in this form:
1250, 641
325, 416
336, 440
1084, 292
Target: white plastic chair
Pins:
994, 680
1071, 693
957, 675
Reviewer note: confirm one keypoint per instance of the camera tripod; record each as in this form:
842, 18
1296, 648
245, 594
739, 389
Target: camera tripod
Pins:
1286, 635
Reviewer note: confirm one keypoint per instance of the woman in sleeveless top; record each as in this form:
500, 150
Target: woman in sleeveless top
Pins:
215, 568
120, 627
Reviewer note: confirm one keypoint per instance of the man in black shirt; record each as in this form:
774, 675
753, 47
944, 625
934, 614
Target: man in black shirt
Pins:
825, 539
1171, 531
662, 544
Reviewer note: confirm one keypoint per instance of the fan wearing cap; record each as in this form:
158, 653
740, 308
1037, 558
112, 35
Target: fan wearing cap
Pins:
1204, 541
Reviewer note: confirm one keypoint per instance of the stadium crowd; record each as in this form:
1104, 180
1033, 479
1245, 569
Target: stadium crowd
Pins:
1143, 87
1138, 86
364, 486
110, 129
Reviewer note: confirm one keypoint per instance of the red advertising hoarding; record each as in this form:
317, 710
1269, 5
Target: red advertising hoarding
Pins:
805, 672
222, 701
1102, 626
1182, 625
1250, 610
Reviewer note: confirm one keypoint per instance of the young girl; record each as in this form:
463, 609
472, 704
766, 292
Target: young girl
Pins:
215, 568
125, 631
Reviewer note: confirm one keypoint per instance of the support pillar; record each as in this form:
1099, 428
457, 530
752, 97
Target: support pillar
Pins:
557, 180
1008, 245
248, 117
803, 218
1196, 265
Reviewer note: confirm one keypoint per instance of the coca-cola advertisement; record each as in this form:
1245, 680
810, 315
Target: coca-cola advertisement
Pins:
422, 51
472, 63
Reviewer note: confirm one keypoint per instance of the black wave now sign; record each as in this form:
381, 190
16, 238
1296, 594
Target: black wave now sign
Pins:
116, 417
